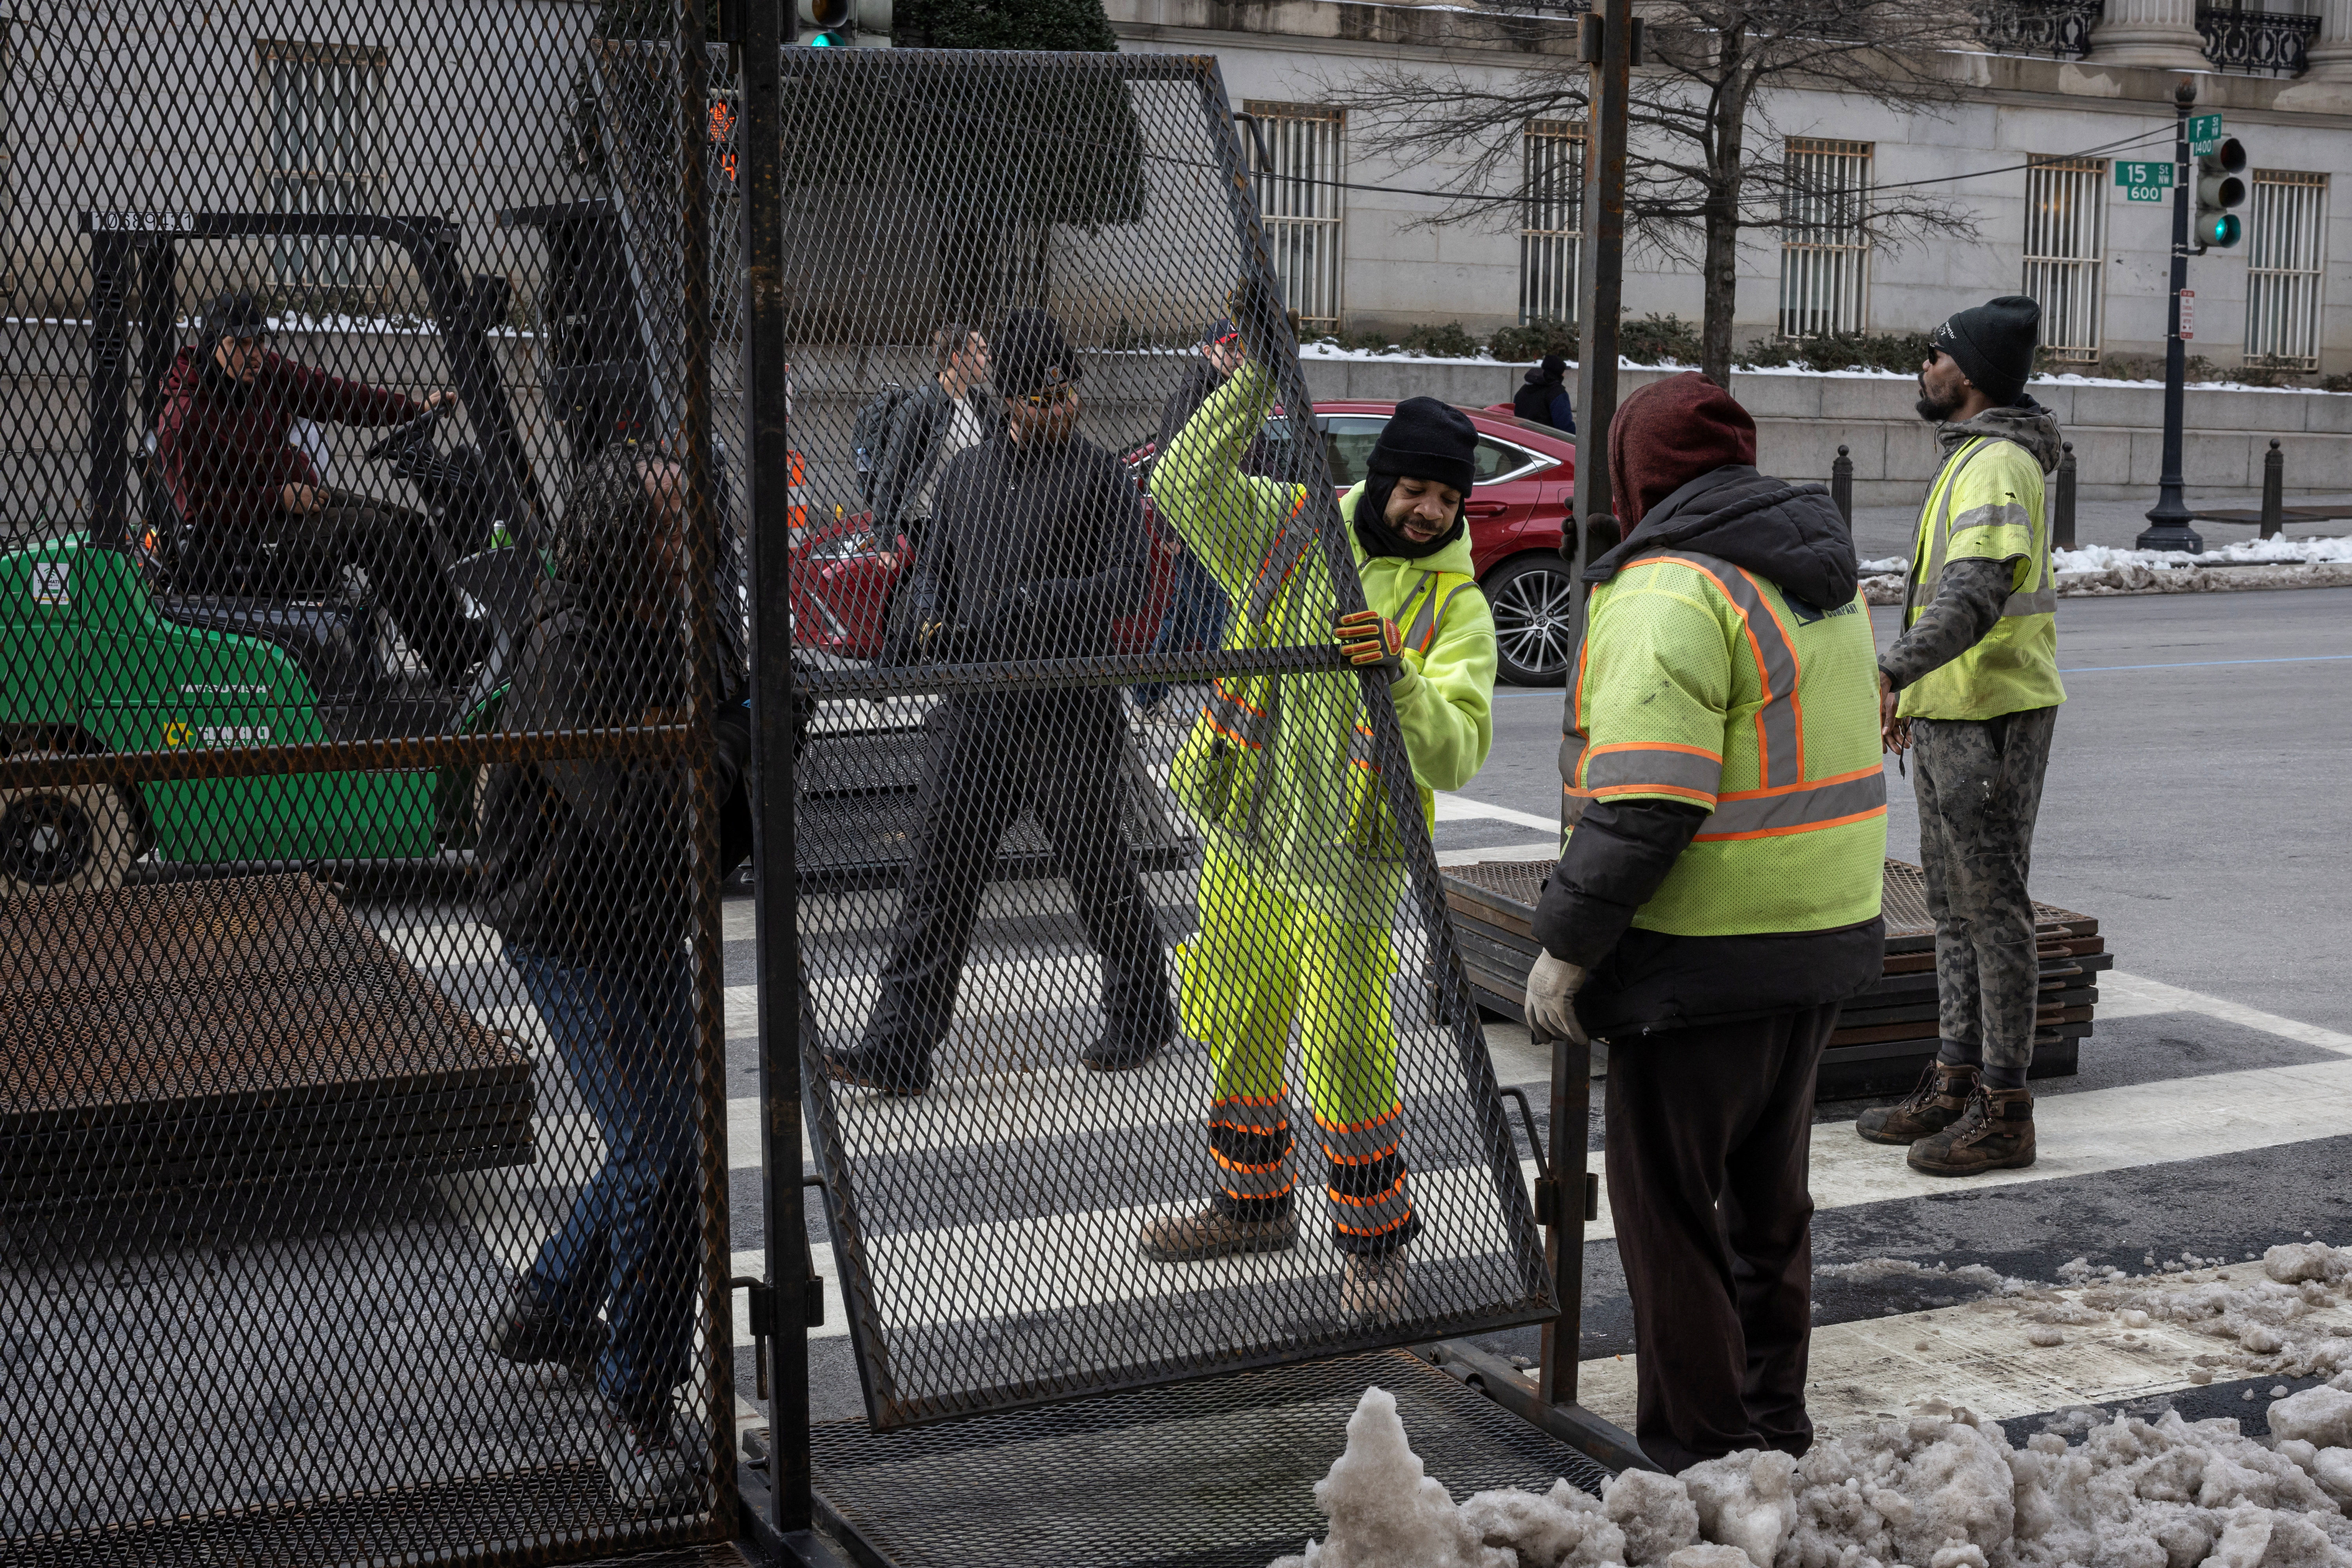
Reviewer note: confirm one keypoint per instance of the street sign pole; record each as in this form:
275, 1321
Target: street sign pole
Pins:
2169, 521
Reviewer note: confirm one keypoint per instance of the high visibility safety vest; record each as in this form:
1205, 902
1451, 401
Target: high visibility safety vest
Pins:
1987, 505
1702, 682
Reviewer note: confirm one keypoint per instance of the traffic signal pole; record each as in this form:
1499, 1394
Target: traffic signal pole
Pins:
2169, 521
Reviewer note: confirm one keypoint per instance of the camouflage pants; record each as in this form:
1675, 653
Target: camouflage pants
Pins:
1980, 787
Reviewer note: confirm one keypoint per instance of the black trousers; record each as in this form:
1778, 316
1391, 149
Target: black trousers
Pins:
1058, 755
391, 544
1708, 1134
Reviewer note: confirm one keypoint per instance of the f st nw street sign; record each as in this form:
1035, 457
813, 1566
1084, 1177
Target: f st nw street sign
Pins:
2146, 181
2204, 130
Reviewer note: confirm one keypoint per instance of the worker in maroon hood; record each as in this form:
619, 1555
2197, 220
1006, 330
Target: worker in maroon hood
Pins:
1717, 899
256, 510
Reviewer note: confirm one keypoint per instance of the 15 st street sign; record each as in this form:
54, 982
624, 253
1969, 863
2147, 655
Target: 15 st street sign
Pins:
2146, 181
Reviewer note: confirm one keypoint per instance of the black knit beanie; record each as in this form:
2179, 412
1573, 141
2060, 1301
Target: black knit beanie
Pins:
1426, 440
1031, 354
1994, 345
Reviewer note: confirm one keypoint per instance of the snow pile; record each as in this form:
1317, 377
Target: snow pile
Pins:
1898, 565
1941, 1489
2267, 552
1944, 1487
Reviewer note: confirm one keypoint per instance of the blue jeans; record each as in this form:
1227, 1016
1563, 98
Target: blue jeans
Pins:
628, 1246
1195, 618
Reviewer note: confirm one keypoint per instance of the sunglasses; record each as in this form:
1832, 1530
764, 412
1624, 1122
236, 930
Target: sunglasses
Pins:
1048, 397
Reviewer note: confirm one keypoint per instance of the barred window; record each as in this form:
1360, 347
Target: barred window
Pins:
319, 140
2286, 250
2065, 249
1552, 180
1824, 238
1296, 155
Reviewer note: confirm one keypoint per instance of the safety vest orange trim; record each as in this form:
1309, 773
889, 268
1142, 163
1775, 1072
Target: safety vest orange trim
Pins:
1879, 810
1778, 669
1798, 809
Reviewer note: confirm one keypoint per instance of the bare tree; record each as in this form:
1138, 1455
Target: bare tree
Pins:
1705, 158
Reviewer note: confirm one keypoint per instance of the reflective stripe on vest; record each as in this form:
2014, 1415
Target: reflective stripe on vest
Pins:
1785, 800
1426, 622
2038, 601
1235, 717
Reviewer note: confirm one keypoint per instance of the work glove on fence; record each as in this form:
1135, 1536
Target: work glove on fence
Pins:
1552, 986
1367, 639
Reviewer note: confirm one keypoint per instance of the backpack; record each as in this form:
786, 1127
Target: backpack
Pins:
871, 430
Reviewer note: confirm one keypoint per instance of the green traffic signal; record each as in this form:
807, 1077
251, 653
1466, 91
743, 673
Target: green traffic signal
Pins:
2221, 185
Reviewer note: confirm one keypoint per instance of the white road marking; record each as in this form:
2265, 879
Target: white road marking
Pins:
2124, 995
1462, 808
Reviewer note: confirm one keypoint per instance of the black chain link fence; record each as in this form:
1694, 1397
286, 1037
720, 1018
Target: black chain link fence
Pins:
1136, 1043
371, 683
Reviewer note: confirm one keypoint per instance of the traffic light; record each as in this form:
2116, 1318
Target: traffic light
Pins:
2221, 185
843, 24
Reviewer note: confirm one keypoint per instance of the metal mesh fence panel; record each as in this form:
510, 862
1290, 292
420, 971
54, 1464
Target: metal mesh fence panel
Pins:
1136, 1043
370, 737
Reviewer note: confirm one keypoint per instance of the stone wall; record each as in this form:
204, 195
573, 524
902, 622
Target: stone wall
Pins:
1802, 420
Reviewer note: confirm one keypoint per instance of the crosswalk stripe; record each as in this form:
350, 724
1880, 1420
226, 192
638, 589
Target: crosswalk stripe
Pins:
2133, 996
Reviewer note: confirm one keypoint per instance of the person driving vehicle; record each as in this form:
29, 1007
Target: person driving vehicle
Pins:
244, 488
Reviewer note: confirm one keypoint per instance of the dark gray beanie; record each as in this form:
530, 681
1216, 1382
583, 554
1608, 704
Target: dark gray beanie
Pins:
1994, 345
1031, 354
1426, 440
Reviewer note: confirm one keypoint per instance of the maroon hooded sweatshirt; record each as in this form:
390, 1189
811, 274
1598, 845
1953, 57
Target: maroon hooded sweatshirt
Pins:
224, 444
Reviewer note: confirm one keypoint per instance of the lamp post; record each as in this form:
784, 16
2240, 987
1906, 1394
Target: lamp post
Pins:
2169, 521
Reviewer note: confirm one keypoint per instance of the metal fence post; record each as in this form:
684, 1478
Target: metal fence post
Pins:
2273, 490
2061, 521
1841, 487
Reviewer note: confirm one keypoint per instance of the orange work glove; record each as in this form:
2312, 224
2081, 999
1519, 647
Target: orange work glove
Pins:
1368, 638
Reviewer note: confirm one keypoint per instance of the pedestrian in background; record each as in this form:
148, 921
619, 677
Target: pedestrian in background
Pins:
1542, 398
1197, 606
584, 871
1716, 903
1037, 546
950, 413
1972, 683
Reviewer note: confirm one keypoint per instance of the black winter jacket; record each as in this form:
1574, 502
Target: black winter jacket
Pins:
1641, 981
1031, 553
911, 451
588, 860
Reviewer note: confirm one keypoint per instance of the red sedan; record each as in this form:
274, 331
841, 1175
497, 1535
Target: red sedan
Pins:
843, 577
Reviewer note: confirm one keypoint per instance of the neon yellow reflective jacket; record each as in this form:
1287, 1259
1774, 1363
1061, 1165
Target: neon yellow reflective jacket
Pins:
1279, 773
1702, 682
1987, 505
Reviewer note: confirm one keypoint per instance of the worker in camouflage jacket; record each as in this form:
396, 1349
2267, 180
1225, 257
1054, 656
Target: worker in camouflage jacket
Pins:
1971, 688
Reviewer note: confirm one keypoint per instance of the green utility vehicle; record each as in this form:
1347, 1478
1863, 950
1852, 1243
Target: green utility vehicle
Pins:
101, 651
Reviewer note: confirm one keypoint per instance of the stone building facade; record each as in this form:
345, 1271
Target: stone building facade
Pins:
2055, 92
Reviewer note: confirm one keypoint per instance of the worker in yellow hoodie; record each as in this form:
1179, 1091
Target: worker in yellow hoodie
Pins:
1304, 867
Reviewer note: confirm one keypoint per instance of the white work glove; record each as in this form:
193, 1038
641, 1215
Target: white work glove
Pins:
1552, 986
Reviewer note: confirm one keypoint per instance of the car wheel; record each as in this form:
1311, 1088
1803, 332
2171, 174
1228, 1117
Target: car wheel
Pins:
69, 839
1534, 619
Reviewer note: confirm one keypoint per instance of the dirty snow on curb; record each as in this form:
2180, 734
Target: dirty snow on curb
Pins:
1942, 1488
2282, 551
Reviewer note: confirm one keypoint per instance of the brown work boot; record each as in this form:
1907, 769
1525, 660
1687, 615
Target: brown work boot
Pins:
1372, 1287
1189, 1238
1942, 1095
1996, 1134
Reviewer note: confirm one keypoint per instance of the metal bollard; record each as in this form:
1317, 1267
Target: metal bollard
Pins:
2273, 490
1841, 487
2062, 520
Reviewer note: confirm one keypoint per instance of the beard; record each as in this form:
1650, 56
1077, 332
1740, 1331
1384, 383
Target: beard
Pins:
1937, 410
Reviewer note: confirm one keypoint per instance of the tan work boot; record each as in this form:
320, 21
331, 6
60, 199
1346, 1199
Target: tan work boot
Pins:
1372, 1287
1938, 1101
1189, 1238
1995, 1135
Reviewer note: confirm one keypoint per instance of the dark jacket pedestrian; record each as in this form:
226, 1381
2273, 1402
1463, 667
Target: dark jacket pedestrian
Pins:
1542, 398
1036, 545
584, 869
1716, 903
1973, 683
257, 516
948, 414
